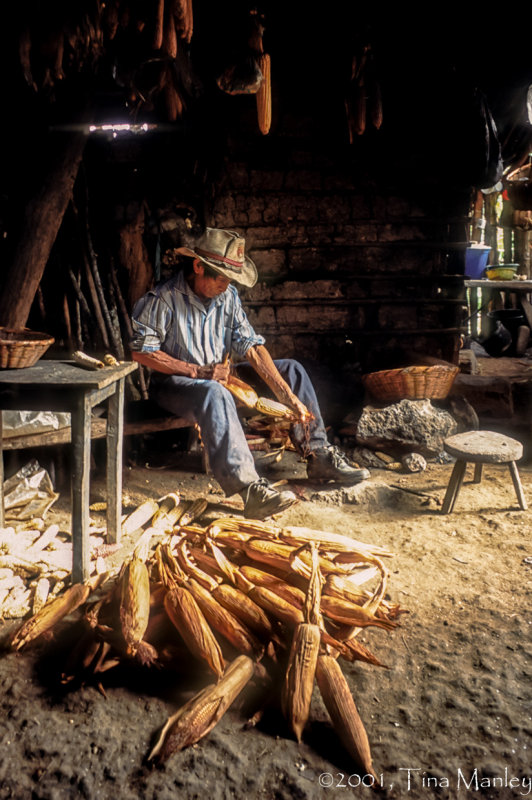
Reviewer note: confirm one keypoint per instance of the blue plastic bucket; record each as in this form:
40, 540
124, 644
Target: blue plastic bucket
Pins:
476, 259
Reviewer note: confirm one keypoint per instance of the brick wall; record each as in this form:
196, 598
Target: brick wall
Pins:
350, 271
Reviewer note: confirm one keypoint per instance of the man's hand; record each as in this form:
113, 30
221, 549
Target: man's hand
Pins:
213, 372
300, 409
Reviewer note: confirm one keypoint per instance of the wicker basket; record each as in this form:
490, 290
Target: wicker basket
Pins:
411, 383
22, 348
519, 187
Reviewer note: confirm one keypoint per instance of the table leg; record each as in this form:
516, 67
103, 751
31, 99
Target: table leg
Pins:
455, 483
81, 455
115, 438
516, 480
2, 510
477, 477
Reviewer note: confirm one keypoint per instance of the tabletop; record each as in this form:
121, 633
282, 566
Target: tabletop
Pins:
510, 286
65, 375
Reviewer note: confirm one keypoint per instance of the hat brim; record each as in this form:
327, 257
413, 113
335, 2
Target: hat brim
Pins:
247, 276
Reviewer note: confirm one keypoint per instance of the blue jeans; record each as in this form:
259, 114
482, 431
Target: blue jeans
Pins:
212, 407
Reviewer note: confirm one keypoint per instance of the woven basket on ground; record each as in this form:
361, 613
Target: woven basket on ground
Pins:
411, 383
22, 348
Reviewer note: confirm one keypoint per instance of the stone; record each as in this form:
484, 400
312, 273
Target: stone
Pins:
414, 462
407, 426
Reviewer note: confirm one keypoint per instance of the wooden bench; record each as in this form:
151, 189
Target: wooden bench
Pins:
146, 417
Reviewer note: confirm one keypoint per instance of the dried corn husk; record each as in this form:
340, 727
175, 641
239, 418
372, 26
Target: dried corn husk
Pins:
53, 612
199, 716
168, 512
187, 617
134, 603
352, 614
223, 621
193, 511
264, 95
285, 590
244, 393
83, 360
243, 607
275, 606
299, 679
343, 711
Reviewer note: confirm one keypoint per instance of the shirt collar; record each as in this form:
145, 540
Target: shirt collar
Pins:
182, 286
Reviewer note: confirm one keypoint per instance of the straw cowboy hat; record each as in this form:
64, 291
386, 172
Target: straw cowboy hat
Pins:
223, 251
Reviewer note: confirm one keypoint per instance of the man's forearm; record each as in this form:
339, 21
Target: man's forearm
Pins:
162, 362
262, 363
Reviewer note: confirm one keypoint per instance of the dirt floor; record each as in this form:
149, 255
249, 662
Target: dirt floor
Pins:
450, 718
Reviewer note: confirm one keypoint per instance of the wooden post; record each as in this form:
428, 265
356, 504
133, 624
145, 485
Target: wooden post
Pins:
42, 219
133, 257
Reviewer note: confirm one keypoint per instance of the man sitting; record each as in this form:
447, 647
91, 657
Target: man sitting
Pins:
185, 330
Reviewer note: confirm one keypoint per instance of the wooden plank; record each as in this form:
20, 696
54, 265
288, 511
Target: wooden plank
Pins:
81, 457
115, 428
60, 375
98, 431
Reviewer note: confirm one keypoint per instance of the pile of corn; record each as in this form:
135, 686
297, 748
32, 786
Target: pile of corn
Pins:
238, 595
36, 564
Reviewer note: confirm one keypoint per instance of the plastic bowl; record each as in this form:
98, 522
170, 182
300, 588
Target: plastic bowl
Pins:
504, 272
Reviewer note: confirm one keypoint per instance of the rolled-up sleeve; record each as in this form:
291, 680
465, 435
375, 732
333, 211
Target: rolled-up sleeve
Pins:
150, 320
243, 334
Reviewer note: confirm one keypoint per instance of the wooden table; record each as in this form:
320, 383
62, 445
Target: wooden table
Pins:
64, 386
481, 292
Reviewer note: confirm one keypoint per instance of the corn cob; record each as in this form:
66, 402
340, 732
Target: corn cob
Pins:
243, 607
264, 95
244, 393
40, 595
169, 42
139, 517
223, 621
244, 528
168, 513
199, 716
273, 408
343, 711
158, 28
51, 613
299, 679
285, 590
134, 604
110, 361
275, 606
186, 616
352, 614
297, 536
269, 552
87, 361
193, 511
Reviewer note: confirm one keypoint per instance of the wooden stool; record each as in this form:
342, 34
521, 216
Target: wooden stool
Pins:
481, 447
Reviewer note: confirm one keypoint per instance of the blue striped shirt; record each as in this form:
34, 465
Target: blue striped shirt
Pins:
173, 319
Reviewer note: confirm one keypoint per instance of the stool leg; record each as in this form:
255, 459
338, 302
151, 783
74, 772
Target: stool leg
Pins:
455, 483
477, 477
516, 480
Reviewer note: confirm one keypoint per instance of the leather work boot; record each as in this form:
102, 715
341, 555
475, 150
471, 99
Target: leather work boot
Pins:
261, 500
330, 464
